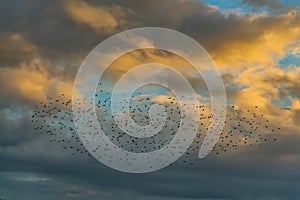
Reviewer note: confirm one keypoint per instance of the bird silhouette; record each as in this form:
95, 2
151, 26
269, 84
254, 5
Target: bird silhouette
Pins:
243, 127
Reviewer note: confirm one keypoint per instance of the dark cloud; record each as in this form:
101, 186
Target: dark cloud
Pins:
15, 127
261, 173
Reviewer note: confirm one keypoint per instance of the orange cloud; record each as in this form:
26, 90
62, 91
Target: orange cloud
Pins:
258, 39
99, 18
33, 82
15, 49
26, 81
138, 57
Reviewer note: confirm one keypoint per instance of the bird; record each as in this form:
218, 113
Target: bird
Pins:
243, 126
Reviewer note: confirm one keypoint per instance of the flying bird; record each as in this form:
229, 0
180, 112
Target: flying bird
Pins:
243, 127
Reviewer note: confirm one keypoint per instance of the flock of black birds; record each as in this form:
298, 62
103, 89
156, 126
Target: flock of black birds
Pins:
243, 127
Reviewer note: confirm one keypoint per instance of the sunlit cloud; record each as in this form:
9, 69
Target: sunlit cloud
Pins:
105, 19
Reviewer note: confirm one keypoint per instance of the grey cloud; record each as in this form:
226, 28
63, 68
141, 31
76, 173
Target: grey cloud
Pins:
257, 173
15, 131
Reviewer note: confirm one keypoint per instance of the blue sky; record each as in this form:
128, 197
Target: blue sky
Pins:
233, 4
241, 7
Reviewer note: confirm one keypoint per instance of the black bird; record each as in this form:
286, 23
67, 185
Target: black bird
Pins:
243, 127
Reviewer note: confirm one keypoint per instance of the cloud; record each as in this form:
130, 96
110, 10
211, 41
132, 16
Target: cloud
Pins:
28, 81
44, 42
273, 6
138, 57
104, 19
253, 171
14, 49
31, 178
78, 191
24, 88
16, 127
262, 86
245, 40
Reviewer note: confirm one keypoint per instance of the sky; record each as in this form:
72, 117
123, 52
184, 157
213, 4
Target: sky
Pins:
254, 43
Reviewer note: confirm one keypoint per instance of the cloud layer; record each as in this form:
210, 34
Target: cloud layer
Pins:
42, 44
